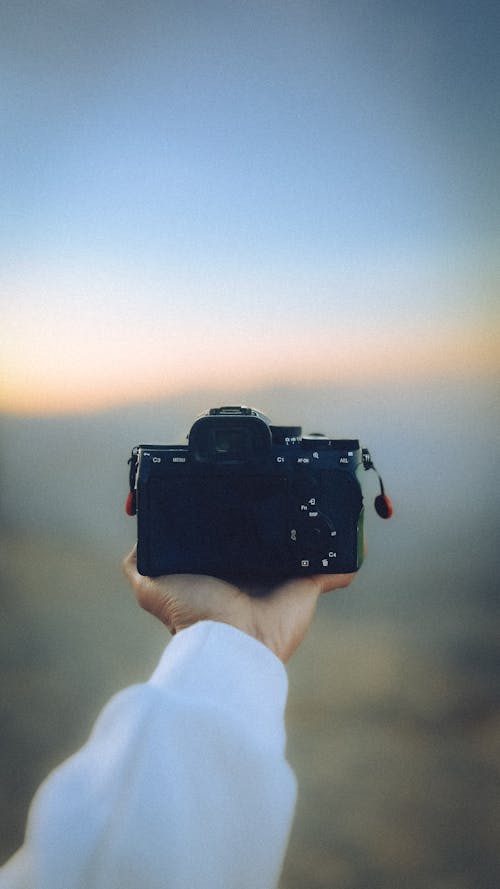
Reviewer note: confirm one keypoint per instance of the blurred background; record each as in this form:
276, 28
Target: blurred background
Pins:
293, 205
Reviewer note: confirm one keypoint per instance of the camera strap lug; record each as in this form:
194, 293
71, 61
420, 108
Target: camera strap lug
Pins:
382, 503
130, 505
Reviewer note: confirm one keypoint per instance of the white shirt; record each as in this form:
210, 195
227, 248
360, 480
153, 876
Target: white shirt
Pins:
183, 783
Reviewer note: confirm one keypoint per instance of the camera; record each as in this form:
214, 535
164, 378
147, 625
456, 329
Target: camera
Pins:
246, 500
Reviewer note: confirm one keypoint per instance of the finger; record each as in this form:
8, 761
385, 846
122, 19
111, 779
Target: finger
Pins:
129, 564
327, 583
148, 593
142, 586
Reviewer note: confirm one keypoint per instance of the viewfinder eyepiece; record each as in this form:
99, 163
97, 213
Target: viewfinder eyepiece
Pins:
230, 435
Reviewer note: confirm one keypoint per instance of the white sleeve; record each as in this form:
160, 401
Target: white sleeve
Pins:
183, 783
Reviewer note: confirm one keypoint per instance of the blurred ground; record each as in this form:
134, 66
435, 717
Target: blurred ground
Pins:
397, 744
393, 717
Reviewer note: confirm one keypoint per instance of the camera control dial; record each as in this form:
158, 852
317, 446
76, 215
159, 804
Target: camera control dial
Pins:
314, 535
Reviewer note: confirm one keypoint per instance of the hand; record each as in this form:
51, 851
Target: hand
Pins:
278, 617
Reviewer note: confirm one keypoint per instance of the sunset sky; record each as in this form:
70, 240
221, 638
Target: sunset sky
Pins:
223, 194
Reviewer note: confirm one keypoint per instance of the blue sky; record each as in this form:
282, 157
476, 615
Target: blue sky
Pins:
305, 168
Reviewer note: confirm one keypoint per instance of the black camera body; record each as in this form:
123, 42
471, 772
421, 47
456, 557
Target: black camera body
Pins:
245, 500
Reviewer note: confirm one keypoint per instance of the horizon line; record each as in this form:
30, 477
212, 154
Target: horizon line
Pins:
87, 408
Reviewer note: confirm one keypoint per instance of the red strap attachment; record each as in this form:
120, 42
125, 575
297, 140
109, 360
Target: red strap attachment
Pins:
130, 506
383, 506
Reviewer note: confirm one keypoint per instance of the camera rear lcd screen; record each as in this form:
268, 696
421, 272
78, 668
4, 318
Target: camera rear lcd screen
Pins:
226, 525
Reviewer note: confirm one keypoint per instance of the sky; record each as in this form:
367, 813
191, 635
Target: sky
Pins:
225, 194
